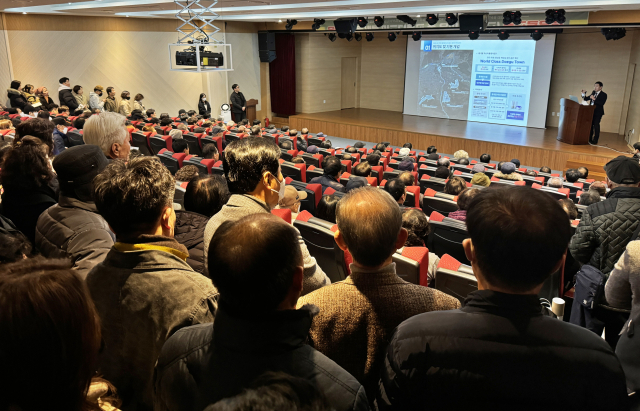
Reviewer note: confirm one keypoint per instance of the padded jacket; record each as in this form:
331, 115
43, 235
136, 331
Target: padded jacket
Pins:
74, 229
16, 98
500, 352
189, 231
65, 95
606, 228
203, 364
328, 181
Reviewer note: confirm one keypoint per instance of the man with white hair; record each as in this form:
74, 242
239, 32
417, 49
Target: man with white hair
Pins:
555, 182
175, 134
108, 131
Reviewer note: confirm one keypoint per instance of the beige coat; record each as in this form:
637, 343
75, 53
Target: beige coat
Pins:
124, 107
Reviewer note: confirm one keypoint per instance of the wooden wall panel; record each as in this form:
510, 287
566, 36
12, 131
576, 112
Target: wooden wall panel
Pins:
382, 84
578, 64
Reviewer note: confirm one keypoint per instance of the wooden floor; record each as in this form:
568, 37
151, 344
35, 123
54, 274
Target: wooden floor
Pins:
532, 146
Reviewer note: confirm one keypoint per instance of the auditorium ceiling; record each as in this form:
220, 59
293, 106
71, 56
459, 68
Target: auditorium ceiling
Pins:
275, 10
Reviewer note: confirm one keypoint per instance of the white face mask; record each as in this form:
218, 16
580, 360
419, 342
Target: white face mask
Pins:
65, 130
280, 190
204, 99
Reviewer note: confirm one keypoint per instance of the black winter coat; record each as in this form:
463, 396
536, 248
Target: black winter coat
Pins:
237, 102
23, 205
47, 104
204, 108
606, 228
189, 231
203, 364
498, 352
66, 99
16, 99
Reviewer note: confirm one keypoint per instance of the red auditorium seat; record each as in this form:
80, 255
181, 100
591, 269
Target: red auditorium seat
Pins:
412, 265
314, 193
295, 171
141, 141
446, 236
173, 161
158, 142
432, 202
284, 213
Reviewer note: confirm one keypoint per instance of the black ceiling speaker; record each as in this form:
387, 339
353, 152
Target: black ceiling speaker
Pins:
347, 25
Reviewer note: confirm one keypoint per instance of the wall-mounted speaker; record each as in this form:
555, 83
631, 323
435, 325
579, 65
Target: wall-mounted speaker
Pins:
266, 41
267, 56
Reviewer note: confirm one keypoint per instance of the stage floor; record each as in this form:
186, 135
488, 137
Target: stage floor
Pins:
502, 142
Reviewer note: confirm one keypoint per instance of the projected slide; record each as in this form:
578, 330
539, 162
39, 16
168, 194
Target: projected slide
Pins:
479, 80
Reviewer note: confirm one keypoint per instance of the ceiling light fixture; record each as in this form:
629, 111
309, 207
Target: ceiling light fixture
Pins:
536, 35
416, 36
369, 36
317, 23
432, 19
290, 24
614, 33
392, 36
512, 17
379, 21
473, 35
555, 16
362, 22
358, 36
332, 37
406, 19
349, 37
452, 19
503, 35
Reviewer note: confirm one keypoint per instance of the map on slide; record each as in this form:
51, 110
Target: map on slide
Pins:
444, 83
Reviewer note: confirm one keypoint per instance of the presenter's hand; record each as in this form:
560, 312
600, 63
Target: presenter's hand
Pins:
584, 91
593, 97
243, 108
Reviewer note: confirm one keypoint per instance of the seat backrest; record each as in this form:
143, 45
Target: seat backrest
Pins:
431, 203
313, 172
157, 143
178, 196
412, 264
166, 157
322, 246
286, 155
446, 238
314, 193
455, 283
194, 144
140, 140
433, 183
295, 171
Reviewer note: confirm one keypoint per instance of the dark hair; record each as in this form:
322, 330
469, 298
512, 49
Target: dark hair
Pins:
569, 207
132, 196
179, 145
363, 169
417, 225
234, 86
150, 111
516, 162
599, 187
369, 220
109, 89
186, 173
358, 144
28, 88
589, 197
63, 80
599, 83
206, 195
485, 158
432, 149
332, 166
499, 167
545, 169
79, 123
124, 94
584, 171
373, 159
63, 109
463, 161
276, 391
14, 245
209, 151
284, 128
48, 323
351, 150
636, 146
29, 109
465, 197
138, 97
199, 130
236, 263
396, 188
572, 175
154, 120
76, 89
297, 160
165, 121
407, 145
519, 235
326, 208
442, 172
326, 144
191, 113
455, 185
532, 173
15, 84
286, 144
246, 160
26, 164
381, 147
44, 114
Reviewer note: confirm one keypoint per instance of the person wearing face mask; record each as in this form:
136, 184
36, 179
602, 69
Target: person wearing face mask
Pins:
252, 169
60, 140
203, 105
291, 200
124, 107
95, 101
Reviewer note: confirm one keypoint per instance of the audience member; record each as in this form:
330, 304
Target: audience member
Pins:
572, 175
406, 165
455, 186
257, 327
481, 179
144, 285
298, 160
599, 187
291, 200
358, 315
110, 102
286, 145
108, 131
180, 146
464, 199
252, 169
584, 172
477, 168
73, 228
381, 147
407, 178
570, 208
326, 144
348, 156
46, 102
463, 161
29, 184
460, 154
482, 353
545, 170
16, 98
442, 172
79, 123
332, 168
351, 150
485, 158
589, 197
432, 149
363, 169
508, 172
532, 173
433, 156
516, 162
186, 173
125, 107
65, 95
49, 340
373, 159
555, 182
326, 208
175, 134
95, 101
355, 182
418, 229
312, 150
397, 190
137, 103
81, 99
443, 162
405, 145
14, 246
182, 127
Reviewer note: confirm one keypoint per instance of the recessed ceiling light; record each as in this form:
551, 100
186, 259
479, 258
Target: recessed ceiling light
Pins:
280, 21
418, 15
127, 15
24, 12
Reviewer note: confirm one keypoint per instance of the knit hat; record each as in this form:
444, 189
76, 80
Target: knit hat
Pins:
320, 134
405, 165
508, 168
404, 152
76, 167
623, 170
312, 149
480, 179
478, 168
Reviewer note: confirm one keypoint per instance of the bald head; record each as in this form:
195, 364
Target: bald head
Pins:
237, 262
369, 221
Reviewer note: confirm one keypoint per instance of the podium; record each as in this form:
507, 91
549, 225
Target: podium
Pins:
251, 110
575, 122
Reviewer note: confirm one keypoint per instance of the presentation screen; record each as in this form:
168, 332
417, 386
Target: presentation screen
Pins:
490, 81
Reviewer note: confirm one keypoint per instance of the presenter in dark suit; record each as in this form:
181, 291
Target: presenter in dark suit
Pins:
238, 104
596, 98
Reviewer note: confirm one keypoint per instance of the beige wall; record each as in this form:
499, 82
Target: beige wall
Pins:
382, 84
5, 64
243, 38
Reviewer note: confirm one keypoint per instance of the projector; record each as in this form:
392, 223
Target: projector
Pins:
207, 59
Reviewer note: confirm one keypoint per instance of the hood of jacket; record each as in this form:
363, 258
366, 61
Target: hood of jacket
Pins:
13, 91
63, 87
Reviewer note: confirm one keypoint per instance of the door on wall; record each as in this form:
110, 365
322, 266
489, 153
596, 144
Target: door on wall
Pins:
348, 82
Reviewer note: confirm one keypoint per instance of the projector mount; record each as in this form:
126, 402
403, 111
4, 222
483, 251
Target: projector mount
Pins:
197, 18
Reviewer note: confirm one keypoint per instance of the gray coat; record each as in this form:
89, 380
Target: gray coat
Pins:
74, 229
144, 293
240, 206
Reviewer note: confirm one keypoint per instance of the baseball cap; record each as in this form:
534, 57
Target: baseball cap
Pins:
291, 196
76, 167
98, 88
623, 170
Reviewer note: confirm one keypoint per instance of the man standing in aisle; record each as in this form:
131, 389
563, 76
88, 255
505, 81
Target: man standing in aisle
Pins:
596, 98
238, 104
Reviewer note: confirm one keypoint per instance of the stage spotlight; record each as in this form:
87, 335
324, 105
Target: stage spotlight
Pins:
511, 17
536, 35
349, 37
432, 19
555, 16
392, 36
317, 23
416, 36
369, 36
379, 21
290, 24
451, 19
406, 19
362, 22
473, 35
614, 33
332, 37
503, 35
357, 36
